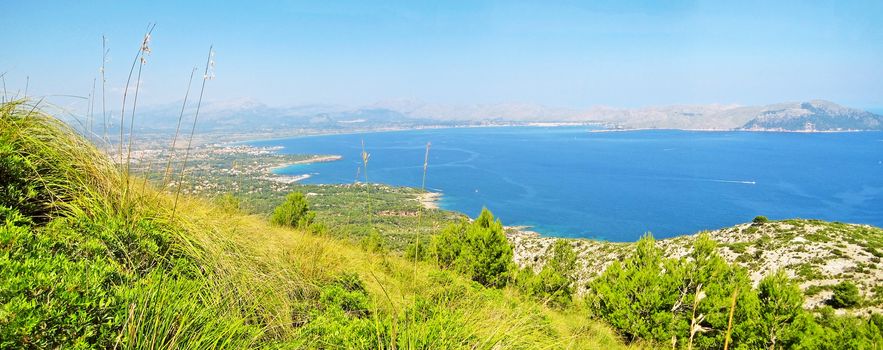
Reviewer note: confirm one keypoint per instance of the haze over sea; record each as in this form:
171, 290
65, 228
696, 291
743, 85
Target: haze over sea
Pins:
571, 182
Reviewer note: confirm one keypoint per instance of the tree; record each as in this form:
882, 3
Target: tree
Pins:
674, 301
486, 255
708, 285
760, 220
781, 303
294, 212
845, 295
445, 247
478, 249
636, 296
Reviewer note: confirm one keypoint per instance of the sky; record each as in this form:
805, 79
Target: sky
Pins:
569, 54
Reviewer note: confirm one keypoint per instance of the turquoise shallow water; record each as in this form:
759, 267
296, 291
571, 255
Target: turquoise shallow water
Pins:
568, 181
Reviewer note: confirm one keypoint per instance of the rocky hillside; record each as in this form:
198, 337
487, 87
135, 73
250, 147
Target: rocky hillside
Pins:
818, 254
815, 115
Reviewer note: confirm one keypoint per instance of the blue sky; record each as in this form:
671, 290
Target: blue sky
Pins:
571, 54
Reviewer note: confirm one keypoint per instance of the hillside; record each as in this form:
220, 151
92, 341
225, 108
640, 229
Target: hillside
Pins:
93, 258
817, 115
815, 253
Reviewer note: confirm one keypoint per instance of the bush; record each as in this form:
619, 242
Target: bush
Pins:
445, 247
780, 313
478, 249
760, 220
294, 212
648, 296
554, 284
845, 295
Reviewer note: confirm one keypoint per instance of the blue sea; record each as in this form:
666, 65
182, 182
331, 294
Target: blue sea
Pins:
616, 186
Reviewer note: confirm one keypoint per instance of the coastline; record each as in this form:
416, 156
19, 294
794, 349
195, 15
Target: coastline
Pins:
258, 137
429, 200
314, 159
784, 131
286, 135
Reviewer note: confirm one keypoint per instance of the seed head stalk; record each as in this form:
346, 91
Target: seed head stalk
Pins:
104, 52
420, 211
417, 235
208, 75
143, 50
167, 173
138, 57
365, 157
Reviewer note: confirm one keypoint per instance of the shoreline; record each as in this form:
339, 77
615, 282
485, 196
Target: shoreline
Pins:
782, 131
246, 139
314, 159
285, 136
429, 200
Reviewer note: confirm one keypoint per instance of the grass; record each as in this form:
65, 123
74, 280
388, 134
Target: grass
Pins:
80, 262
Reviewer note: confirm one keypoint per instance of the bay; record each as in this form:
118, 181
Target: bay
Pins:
616, 186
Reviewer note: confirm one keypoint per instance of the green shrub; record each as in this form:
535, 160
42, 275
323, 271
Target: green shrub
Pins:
650, 297
554, 284
780, 313
478, 249
845, 295
445, 247
760, 220
486, 255
16, 191
294, 212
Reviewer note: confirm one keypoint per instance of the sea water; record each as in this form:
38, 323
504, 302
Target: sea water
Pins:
579, 182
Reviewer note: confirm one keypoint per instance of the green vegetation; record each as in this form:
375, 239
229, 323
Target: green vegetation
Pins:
92, 259
477, 249
703, 302
845, 295
294, 212
554, 284
760, 220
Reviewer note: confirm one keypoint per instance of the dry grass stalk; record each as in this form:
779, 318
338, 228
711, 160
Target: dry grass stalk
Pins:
695, 321
167, 173
209, 67
727, 337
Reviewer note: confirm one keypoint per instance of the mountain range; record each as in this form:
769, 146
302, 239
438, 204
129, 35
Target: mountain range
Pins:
250, 115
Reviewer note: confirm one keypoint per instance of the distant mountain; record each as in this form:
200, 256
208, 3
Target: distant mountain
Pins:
253, 116
242, 116
817, 115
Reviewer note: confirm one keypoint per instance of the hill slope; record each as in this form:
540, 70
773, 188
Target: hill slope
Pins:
817, 115
817, 254
90, 257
